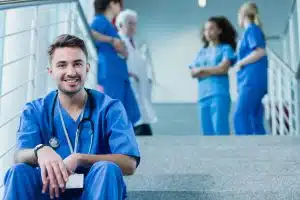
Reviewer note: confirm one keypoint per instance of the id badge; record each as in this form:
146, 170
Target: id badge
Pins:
75, 181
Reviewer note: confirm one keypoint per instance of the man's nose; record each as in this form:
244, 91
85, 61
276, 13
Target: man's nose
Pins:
71, 70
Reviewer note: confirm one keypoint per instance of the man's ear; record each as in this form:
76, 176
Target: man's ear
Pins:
88, 67
49, 68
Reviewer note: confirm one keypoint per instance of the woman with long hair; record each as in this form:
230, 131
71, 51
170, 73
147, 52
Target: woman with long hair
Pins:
210, 68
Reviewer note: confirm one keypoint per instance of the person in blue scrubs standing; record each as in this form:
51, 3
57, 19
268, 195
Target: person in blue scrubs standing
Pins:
112, 54
252, 67
210, 68
70, 132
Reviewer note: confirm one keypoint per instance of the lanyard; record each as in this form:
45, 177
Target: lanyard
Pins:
66, 132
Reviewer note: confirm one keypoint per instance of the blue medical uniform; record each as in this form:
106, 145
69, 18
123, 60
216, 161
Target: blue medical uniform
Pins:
112, 69
213, 91
113, 134
252, 85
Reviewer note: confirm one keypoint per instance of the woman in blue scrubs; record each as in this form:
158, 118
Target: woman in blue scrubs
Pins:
210, 68
112, 68
252, 66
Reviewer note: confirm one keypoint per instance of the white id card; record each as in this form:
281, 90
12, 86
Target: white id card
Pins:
75, 181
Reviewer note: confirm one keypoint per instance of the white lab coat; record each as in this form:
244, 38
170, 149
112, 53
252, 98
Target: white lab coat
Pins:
138, 64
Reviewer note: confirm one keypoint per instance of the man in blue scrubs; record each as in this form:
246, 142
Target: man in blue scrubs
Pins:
71, 132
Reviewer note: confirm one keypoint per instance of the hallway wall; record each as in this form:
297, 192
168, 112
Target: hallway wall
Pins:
172, 27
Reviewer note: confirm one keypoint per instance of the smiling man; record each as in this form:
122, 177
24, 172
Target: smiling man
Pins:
75, 143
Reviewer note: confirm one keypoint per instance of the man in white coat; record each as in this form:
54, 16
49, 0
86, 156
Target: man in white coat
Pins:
140, 71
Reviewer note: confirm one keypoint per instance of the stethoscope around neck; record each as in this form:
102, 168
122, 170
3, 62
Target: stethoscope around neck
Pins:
54, 141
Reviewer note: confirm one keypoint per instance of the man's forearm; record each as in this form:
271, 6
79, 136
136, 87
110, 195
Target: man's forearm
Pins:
126, 163
101, 37
25, 156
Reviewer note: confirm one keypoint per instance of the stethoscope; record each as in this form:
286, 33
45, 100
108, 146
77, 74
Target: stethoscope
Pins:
54, 141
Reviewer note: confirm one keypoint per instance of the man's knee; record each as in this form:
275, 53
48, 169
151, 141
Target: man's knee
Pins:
106, 167
20, 168
18, 171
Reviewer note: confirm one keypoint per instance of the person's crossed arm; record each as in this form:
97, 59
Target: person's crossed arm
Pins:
54, 172
99, 29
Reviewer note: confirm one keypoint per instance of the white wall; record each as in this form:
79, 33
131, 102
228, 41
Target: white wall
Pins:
172, 27
16, 74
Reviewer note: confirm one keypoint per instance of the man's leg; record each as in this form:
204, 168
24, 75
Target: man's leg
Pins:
143, 129
104, 182
23, 182
130, 104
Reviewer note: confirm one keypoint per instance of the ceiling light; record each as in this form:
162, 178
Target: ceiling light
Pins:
202, 3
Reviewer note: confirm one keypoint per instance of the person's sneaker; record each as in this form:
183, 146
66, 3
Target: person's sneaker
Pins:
143, 130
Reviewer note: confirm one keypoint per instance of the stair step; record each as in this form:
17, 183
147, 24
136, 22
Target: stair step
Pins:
215, 182
211, 168
213, 195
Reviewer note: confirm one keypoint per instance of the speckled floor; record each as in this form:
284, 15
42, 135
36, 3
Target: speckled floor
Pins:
217, 168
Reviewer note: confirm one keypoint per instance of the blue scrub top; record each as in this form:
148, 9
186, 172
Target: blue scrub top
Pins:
113, 132
212, 57
254, 74
110, 65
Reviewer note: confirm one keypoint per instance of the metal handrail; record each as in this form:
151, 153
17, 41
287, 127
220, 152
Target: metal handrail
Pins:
281, 61
16, 33
12, 4
16, 60
297, 73
290, 15
11, 119
5, 153
21, 85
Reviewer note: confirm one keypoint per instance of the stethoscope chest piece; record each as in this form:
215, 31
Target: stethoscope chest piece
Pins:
54, 142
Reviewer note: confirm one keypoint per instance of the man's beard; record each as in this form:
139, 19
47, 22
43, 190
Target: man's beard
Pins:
70, 93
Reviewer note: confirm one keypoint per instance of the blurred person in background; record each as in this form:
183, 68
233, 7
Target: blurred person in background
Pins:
252, 75
210, 68
139, 71
112, 54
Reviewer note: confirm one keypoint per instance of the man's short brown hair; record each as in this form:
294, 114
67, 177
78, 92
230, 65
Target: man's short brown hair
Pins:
67, 40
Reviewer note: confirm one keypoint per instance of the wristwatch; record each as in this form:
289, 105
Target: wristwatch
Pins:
36, 148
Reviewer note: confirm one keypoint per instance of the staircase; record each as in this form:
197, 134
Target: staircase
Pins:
217, 168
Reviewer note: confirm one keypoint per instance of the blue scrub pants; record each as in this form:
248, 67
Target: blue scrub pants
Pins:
104, 181
121, 90
214, 115
249, 114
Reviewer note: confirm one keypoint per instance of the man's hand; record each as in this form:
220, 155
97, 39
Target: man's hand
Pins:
134, 76
238, 66
120, 47
71, 163
53, 171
